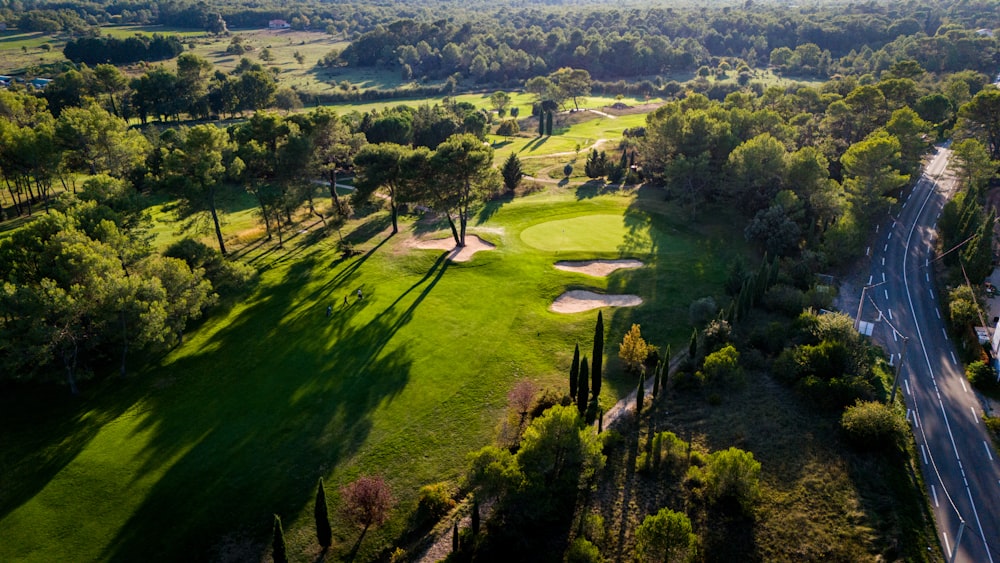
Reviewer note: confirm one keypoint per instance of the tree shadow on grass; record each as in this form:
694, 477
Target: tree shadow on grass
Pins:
271, 402
590, 189
45, 429
491, 207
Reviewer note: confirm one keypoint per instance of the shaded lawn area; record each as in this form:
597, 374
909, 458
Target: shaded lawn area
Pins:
189, 458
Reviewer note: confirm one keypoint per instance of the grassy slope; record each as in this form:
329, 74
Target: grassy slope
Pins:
267, 396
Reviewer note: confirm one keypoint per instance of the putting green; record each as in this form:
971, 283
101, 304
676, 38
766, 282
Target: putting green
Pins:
594, 233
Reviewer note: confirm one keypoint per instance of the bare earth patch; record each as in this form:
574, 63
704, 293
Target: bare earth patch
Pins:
578, 301
597, 268
473, 244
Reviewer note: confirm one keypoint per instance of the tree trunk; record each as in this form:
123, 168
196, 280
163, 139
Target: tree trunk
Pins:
454, 231
333, 192
312, 209
215, 219
121, 370
463, 221
394, 212
69, 360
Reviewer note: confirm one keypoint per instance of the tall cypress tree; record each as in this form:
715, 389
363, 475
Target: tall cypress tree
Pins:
574, 372
598, 357
548, 122
541, 123
640, 395
583, 393
278, 552
323, 533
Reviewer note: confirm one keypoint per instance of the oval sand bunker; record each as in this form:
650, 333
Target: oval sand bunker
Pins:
473, 244
578, 301
597, 268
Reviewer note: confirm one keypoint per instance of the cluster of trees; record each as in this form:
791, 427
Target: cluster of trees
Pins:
195, 89
812, 167
82, 286
96, 50
512, 45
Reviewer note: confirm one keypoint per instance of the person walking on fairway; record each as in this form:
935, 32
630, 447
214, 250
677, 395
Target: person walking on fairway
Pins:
345, 300
360, 296
329, 310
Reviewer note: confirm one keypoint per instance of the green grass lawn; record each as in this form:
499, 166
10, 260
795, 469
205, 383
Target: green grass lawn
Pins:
190, 458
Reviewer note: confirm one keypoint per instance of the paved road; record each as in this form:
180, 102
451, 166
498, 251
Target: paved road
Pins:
960, 465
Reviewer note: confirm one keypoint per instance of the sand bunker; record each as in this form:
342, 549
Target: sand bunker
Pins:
578, 301
473, 244
597, 268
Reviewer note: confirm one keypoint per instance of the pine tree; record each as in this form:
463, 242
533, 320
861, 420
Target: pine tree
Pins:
323, 533
656, 379
278, 552
583, 393
591, 167
548, 122
512, 172
574, 372
598, 357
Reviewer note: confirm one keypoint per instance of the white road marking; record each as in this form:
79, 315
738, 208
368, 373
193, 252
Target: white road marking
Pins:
876, 228
953, 360
887, 295
883, 260
893, 223
938, 505
868, 251
890, 315
894, 339
938, 313
945, 333
886, 249
929, 290
870, 278
906, 382
974, 417
889, 237
924, 452
927, 276
988, 452
962, 381
904, 205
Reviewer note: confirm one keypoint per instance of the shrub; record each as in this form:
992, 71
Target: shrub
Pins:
715, 335
784, 299
665, 536
434, 501
702, 310
228, 278
873, 425
722, 366
549, 398
734, 474
982, 376
993, 425
582, 551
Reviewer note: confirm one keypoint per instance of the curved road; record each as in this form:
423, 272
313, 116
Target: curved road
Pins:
959, 463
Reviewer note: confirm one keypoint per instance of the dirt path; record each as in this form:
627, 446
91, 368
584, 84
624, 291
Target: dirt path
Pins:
626, 404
